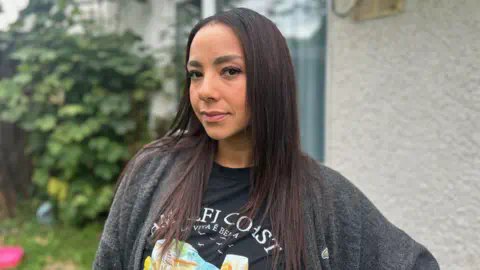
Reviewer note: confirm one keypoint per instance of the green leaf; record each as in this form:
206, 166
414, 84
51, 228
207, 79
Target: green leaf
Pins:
128, 70
115, 153
54, 147
36, 142
106, 195
64, 132
67, 84
102, 202
99, 143
94, 124
106, 171
123, 127
46, 123
47, 161
48, 56
69, 172
53, 80
23, 54
79, 200
71, 156
78, 58
22, 78
39, 97
8, 89
40, 177
102, 54
15, 102
63, 68
28, 126
82, 186
12, 115
71, 110
139, 95
83, 43
115, 104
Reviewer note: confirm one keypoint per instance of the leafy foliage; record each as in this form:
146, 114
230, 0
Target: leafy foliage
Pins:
83, 98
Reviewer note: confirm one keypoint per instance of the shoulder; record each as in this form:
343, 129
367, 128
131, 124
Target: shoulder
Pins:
151, 159
333, 187
343, 202
142, 176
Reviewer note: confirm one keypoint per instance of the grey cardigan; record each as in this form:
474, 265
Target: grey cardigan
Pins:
343, 229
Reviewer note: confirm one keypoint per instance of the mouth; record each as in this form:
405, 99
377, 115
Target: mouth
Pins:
213, 117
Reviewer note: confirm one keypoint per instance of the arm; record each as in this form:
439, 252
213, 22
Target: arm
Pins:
385, 246
109, 252
117, 246
360, 237
425, 260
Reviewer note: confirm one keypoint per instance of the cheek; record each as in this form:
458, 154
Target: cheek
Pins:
193, 100
241, 101
246, 117
194, 105
242, 108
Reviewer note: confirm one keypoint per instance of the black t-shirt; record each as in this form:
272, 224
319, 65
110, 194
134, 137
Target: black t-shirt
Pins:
221, 237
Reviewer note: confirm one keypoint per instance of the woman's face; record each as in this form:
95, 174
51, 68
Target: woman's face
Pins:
216, 68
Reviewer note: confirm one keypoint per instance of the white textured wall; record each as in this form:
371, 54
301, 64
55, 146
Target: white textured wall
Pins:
10, 13
403, 120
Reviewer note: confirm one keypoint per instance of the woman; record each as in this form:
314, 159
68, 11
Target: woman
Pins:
230, 188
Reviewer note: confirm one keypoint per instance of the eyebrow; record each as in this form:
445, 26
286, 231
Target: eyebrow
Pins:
219, 60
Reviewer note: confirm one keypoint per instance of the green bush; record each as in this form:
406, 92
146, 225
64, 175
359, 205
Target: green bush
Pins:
84, 100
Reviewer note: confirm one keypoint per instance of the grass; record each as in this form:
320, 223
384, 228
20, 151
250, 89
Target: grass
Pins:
49, 247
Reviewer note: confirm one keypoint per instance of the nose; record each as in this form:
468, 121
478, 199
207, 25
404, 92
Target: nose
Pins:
207, 91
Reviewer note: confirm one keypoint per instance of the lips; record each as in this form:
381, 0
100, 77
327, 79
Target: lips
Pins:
213, 116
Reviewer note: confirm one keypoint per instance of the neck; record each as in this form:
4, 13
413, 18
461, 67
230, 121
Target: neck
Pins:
235, 152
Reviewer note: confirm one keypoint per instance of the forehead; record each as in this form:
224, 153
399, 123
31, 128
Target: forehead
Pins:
214, 40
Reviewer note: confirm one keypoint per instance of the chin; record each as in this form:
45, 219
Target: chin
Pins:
218, 135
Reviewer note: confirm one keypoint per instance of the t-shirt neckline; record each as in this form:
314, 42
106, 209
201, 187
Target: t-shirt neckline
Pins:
240, 174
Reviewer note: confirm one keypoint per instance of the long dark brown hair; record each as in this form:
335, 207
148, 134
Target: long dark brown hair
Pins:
280, 169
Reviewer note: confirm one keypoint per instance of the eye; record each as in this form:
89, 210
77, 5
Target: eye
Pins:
231, 71
194, 74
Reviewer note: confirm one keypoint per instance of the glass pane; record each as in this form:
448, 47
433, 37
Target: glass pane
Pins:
304, 25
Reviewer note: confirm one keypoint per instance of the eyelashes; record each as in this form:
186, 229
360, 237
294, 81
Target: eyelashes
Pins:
228, 72
231, 71
194, 74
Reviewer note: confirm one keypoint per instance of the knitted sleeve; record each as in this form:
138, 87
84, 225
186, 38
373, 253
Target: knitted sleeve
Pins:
114, 243
359, 236
108, 255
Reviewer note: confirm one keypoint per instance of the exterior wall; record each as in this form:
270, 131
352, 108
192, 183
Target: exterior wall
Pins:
403, 120
10, 12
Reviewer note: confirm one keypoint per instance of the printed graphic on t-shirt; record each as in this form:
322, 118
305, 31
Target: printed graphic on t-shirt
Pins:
231, 238
186, 257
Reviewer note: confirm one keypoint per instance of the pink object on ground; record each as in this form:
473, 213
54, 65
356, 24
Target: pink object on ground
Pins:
10, 257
